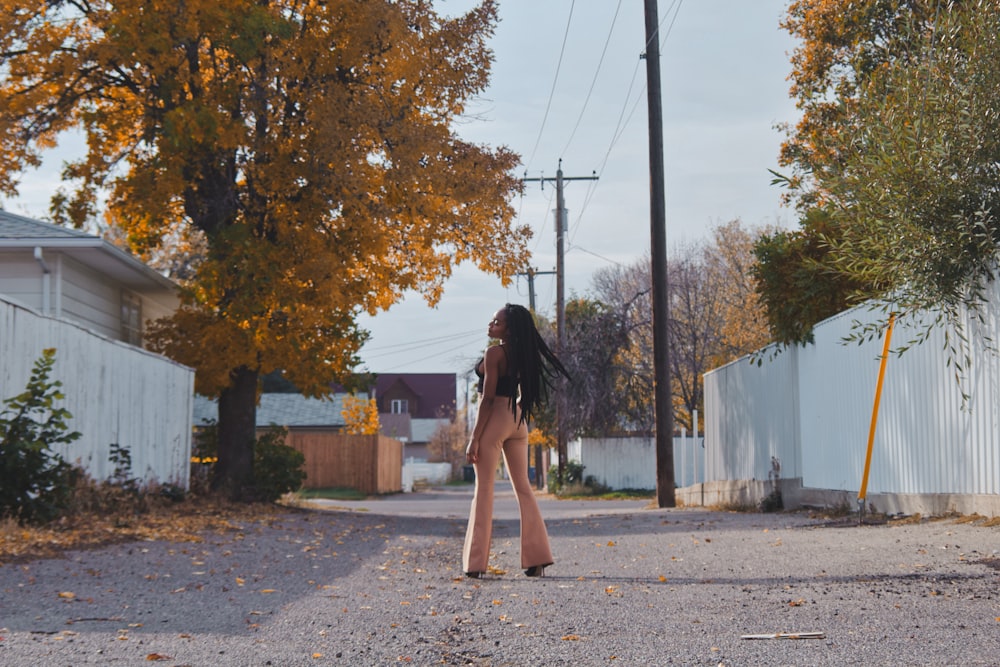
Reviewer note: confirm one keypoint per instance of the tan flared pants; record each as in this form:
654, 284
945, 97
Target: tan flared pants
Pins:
504, 435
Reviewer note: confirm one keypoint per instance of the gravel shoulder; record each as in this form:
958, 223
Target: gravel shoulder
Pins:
379, 583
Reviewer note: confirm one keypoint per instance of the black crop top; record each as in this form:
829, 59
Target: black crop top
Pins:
506, 386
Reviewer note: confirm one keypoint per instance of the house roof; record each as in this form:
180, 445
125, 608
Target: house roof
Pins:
436, 391
289, 410
18, 233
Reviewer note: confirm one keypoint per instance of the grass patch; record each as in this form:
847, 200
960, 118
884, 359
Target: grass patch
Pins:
332, 493
581, 492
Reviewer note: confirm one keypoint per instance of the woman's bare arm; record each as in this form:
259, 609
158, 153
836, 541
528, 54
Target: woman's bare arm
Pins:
491, 372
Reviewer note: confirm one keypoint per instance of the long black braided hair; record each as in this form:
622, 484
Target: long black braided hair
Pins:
530, 362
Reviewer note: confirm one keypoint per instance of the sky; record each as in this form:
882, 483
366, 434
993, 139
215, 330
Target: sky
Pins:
568, 86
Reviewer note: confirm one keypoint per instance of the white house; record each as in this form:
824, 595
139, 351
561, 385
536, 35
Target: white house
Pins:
77, 293
71, 275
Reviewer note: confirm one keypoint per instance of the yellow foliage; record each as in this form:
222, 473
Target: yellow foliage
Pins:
360, 416
539, 438
300, 157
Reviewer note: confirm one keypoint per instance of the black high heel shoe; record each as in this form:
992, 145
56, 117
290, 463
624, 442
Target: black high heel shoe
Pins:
536, 570
474, 575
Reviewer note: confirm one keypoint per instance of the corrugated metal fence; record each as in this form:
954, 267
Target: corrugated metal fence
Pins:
811, 407
117, 394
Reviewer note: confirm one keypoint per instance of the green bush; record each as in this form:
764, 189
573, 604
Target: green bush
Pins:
572, 476
277, 468
35, 482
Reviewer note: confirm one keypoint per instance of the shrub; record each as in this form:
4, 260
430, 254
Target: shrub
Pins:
572, 477
277, 468
35, 482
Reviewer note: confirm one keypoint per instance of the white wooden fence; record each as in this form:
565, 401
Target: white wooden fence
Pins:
117, 394
811, 408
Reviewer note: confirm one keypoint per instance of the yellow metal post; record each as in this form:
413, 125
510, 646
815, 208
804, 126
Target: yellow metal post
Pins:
878, 397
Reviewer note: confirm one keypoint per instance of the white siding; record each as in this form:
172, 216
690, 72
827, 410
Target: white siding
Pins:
91, 299
21, 279
928, 440
116, 393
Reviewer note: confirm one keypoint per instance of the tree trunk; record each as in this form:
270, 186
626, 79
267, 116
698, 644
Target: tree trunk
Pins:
237, 434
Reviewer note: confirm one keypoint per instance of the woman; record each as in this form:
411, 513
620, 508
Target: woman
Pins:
514, 379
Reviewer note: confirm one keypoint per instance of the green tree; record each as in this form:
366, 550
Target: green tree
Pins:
899, 141
304, 152
797, 279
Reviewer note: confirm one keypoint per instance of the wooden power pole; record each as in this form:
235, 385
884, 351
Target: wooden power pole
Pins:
561, 227
663, 395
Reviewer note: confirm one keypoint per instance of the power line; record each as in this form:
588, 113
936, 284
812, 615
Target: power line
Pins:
623, 120
401, 348
593, 81
590, 252
552, 91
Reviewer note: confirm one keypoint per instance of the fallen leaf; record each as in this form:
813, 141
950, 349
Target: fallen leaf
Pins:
662, 579
158, 656
268, 590
611, 543
570, 638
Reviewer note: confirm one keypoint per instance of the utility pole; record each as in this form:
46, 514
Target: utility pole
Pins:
530, 275
539, 463
664, 409
561, 227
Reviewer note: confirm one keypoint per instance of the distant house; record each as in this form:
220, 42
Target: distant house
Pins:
89, 300
413, 405
291, 411
75, 276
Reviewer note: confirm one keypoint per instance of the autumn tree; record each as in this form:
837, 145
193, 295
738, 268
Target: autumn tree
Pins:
898, 147
305, 149
714, 318
729, 260
360, 415
448, 442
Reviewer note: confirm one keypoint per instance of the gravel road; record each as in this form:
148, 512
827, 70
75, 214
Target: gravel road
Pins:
379, 583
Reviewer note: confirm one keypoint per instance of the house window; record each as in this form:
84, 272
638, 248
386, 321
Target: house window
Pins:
131, 318
399, 406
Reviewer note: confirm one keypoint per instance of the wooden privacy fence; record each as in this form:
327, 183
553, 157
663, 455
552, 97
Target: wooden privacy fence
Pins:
369, 463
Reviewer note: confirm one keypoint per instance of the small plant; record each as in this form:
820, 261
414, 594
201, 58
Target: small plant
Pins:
204, 454
277, 468
35, 482
121, 457
773, 501
572, 475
